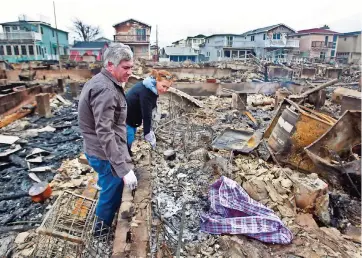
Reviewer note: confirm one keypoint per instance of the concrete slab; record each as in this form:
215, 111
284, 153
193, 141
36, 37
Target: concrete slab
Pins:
333, 73
275, 72
43, 105
308, 73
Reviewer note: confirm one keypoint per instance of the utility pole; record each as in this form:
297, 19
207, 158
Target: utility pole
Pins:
56, 33
157, 59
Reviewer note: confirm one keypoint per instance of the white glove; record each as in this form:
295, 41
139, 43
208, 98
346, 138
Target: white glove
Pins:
130, 180
151, 138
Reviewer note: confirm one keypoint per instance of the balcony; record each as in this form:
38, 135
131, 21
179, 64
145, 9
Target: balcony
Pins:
292, 43
321, 45
20, 36
235, 43
141, 39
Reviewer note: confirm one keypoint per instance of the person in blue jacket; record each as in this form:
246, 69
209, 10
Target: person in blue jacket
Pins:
141, 100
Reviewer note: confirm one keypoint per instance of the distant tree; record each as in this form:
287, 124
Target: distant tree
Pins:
325, 27
85, 31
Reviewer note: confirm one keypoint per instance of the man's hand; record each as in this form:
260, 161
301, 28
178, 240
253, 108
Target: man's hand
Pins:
151, 138
130, 180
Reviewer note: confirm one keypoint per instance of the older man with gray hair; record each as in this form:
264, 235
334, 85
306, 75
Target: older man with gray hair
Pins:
102, 120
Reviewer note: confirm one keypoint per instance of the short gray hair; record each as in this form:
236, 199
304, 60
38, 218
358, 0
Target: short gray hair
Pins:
117, 52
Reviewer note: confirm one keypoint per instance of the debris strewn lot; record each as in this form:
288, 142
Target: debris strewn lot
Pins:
270, 137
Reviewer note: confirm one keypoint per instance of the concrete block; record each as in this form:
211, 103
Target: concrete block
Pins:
340, 92
308, 73
43, 104
307, 192
239, 101
281, 94
74, 89
61, 86
333, 73
279, 72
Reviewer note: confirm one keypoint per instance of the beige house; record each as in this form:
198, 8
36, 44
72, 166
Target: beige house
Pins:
136, 34
317, 44
349, 47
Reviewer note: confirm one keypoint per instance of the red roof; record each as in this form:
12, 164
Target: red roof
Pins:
318, 31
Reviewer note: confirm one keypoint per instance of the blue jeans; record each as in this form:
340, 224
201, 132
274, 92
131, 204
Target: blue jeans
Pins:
110, 197
131, 133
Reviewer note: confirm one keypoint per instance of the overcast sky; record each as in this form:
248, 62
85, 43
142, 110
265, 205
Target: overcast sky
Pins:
178, 19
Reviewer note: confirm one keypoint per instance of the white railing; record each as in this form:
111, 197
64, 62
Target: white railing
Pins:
280, 43
235, 43
20, 36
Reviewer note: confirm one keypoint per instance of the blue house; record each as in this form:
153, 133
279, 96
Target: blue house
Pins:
31, 41
179, 54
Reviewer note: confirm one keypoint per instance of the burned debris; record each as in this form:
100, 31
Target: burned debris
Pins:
284, 137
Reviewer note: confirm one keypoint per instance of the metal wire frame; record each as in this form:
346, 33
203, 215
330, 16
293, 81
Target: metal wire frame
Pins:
71, 229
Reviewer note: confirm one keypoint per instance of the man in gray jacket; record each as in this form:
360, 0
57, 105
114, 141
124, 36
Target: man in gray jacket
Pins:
102, 115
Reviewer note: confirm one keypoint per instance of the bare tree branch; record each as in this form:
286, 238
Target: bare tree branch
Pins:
85, 31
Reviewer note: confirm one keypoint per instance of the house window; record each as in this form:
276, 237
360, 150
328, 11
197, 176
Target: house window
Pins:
2, 51
45, 51
207, 53
15, 27
7, 29
141, 34
23, 50
8, 50
31, 50
55, 50
322, 55
276, 36
326, 41
208, 41
333, 53
264, 36
41, 29
38, 50
226, 53
229, 41
252, 38
66, 36
16, 50
53, 32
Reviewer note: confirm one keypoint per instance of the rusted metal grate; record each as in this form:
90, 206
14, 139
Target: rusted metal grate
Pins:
71, 229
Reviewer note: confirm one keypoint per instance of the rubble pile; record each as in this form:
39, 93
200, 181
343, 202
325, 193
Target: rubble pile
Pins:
185, 163
351, 74
41, 146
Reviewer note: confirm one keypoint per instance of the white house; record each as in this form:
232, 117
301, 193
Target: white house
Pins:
195, 42
225, 46
179, 43
270, 42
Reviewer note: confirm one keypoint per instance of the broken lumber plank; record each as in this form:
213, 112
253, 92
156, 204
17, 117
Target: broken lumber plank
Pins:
318, 88
186, 96
13, 117
250, 116
138, 224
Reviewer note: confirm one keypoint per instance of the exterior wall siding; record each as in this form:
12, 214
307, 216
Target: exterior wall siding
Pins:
127, 32
43, 47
